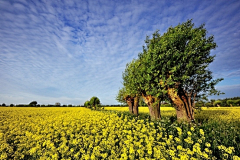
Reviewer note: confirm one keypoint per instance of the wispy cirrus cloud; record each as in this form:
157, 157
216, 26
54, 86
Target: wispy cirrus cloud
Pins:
70, 51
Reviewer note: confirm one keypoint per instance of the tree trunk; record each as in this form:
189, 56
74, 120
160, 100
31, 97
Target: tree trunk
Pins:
153, 106
191, 108
130, 102
154, 111
135, 106
179, 105
186, 98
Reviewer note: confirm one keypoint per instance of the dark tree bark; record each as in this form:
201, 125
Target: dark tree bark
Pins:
186, 98
153, 106
183, 105
135, 106
130, 102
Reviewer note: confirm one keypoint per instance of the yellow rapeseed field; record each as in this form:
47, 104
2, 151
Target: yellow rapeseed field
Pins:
218, 113
80, 133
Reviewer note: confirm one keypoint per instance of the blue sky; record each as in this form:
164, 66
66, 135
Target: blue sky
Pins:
68, 51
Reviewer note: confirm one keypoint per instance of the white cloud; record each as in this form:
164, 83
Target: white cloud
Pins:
58, 51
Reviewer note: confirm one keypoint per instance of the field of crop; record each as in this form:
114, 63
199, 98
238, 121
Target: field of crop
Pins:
218, 113
80, 133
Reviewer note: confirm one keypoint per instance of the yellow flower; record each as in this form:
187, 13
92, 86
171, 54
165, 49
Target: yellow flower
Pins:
206, 150
230, 150
131, 150
188, 140
201, 132
205, 155
199, 141
179, 131
189, 133
179, 148
189, 152
236, 158
177, 140
171, 153
221, 147
207, 144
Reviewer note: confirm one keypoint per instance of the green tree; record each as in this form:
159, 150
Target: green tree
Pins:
131, 81
208, 104
217, 103
212, 102
232, 103
33, 104
137, 85
87, 104
125, 97
174, 66
95, 102
141, 102
121, 96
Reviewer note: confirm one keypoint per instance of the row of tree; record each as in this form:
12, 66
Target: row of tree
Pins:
227, 102
172, 67
39, 105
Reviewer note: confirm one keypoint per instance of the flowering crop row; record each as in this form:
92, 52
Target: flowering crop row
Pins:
79, 133
223, 113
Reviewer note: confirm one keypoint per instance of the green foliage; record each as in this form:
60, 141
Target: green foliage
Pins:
87, 104
132, 78
217, 102
233, 102
33, 104
209, 104
141, 102
181, 57
94, 101
122, 94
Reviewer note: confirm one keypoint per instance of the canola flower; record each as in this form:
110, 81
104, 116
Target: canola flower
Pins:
80, 133
215, 113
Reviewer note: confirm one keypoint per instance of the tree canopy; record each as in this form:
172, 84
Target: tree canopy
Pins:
87, 104
174, 66
33, 103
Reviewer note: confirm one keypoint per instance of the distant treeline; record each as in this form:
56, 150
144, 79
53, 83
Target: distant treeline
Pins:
227, 102
50, 105
38, 105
